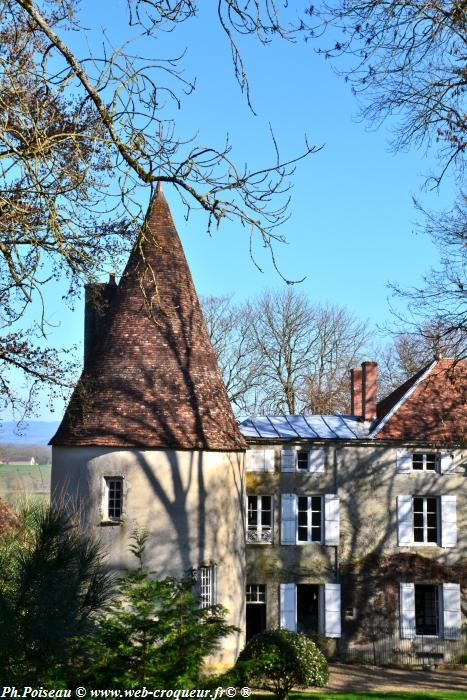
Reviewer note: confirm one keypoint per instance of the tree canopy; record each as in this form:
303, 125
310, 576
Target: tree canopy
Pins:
85, 126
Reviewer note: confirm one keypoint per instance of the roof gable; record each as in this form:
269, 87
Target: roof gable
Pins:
429, 407
152, 379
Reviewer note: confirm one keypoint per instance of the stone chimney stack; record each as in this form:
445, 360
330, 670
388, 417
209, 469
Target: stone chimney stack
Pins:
369, 386
96, 304
356, 392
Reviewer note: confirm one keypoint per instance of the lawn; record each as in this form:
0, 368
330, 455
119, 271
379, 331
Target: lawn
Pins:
378, 695
24, 480
373, 695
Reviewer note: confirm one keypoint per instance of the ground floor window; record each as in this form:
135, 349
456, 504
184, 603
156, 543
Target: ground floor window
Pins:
426, 610
207, 586
308, 608
255, 609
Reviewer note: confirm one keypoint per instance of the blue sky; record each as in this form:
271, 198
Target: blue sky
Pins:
352, 220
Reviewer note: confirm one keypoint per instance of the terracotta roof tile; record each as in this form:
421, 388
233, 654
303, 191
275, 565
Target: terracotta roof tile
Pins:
152, 379
435, 411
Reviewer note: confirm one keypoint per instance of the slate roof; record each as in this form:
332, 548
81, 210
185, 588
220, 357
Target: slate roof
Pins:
152, 379
429, 407
313, 427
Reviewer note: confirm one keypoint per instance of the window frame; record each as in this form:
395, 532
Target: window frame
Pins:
107, 517
257, 600
260, 529
309, 524
426, 542
424, 455
207, 585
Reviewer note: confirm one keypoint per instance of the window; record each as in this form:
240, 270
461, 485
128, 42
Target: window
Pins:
255, 609
426, 610
259, 528
302, 460
310, 517
424, 461
113, 497
425, 519
206, 581
311, 608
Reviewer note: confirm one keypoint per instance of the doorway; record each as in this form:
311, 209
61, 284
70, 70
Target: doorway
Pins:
308, 608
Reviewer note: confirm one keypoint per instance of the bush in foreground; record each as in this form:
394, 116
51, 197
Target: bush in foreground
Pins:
278, 660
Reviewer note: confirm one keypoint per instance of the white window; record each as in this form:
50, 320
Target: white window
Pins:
207, 585
304, 606
255, 593
427, 520
113, 497
310, 519
303, 459
430, 609
259, 460
426, 461
260, 519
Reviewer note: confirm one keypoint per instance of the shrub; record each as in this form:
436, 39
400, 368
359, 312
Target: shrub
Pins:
278, 660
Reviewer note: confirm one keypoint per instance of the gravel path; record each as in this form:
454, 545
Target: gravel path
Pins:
360, 678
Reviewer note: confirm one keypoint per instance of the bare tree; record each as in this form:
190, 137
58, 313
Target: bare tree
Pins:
81, 132
230, 331
407, 59
288, 355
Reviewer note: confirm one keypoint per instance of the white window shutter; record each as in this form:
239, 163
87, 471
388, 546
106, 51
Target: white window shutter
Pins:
331, 519
269, 460
316, 461
448, 521
447, 463
451, 610
288, 518
407, 610
404, 520
332, 610
288, 459
404, 461
254, 461
288, 607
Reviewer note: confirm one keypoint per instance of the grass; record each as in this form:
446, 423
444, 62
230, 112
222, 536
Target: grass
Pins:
374, 695
18, 481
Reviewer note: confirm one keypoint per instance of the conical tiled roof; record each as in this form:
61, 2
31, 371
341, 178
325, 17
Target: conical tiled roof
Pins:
152, 380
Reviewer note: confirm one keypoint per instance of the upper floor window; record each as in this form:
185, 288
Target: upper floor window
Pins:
303, 459
424, 461
425, 519
260, 523
428, 461
113, 497
310, 519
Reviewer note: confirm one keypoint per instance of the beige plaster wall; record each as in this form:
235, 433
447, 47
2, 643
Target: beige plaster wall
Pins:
365, 478
192, 504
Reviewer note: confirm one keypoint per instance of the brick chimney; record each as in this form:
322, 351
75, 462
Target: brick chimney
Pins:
356, 392
369, 386
96, 304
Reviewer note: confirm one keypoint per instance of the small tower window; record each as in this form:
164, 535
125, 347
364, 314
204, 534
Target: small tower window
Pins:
113, 501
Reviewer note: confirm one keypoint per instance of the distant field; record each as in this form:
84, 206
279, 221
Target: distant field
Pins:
24, 480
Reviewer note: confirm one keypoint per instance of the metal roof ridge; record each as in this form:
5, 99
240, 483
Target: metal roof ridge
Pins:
379, 426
